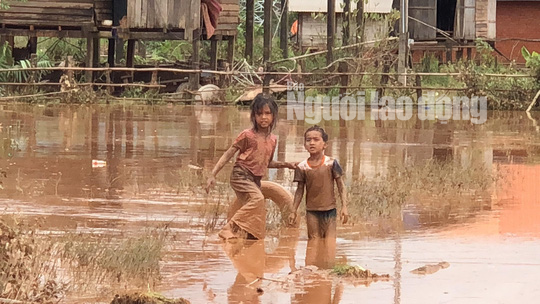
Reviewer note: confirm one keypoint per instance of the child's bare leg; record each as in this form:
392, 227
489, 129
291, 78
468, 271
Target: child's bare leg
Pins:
313, 225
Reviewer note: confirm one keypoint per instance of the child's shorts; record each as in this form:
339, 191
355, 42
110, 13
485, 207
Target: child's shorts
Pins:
324, 215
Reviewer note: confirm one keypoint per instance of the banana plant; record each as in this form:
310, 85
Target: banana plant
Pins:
6, 62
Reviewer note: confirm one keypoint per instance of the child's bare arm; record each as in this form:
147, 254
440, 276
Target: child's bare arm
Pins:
280, 164
344, 214
298, 195
222, 161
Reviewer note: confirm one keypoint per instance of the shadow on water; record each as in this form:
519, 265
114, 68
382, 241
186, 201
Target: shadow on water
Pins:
153, 161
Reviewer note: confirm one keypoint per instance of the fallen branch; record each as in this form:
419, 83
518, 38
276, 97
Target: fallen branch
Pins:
533, 102
28, 96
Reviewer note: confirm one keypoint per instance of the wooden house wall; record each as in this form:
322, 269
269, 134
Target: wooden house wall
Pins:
425, 11
164, 14
103, 10
74, 13
464, 22
312, 32
228, 18
486, 12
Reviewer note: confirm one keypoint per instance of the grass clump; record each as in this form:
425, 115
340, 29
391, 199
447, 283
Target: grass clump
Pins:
385, 195
147, 298
356, 272
27, 266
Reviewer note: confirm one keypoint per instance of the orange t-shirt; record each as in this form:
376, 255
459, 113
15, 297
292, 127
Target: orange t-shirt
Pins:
319, 181
255, 151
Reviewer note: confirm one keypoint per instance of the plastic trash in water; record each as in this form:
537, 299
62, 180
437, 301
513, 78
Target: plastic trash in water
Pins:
98, 163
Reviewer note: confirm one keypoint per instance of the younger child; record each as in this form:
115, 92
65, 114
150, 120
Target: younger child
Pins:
317, 175
256, 147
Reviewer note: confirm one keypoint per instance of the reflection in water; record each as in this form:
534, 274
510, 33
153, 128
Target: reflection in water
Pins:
252, 262
321, 252
249, 259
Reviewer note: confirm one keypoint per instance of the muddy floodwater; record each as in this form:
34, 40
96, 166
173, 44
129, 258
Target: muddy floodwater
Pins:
116, 170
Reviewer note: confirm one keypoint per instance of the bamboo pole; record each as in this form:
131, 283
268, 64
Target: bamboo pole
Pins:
335, 49
533, 102
45, 84
121, 69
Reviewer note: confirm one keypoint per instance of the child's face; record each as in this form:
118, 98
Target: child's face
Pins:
314, 142
264, 118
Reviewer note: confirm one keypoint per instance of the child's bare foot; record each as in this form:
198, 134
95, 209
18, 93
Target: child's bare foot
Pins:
227, 234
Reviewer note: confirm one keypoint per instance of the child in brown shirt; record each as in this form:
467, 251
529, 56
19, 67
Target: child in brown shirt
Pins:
317, 175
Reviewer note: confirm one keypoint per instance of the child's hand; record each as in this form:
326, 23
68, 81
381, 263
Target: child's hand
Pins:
210, 183
292, 218
344, 215
292, 165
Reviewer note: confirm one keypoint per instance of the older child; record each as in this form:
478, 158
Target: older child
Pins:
256, 147
317, 175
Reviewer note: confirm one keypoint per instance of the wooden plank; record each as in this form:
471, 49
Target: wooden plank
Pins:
51, 11
103, 5
491, 19
180, 18
228, 20
196, 13
171, 13
151, 17
7, 18
469, 26
425, 11
55, 1
29, 21
20, 5
160, 9
230, 7
143, 14
131, 20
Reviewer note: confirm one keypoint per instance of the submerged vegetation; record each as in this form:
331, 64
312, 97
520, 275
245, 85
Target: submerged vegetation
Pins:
434, 182
42, 268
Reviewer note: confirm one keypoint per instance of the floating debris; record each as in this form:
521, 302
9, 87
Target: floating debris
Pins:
429, 269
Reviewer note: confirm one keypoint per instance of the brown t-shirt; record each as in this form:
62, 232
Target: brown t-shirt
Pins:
255, 151
319, 181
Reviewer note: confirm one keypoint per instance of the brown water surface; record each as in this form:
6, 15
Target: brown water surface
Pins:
152, 177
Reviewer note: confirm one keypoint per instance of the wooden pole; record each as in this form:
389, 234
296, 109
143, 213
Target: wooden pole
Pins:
130, 53
89, 57
95, 56
194, 78
119, 49
111, 52
284, 28
330, 30
346, 21
213, 54
403, 41
230, 50
250, 11
267, 46
32, 43
359, 21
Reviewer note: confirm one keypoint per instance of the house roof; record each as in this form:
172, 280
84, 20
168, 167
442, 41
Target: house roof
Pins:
319, 6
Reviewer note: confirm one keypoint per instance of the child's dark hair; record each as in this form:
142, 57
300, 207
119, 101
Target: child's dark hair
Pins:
319, 129
258, 104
